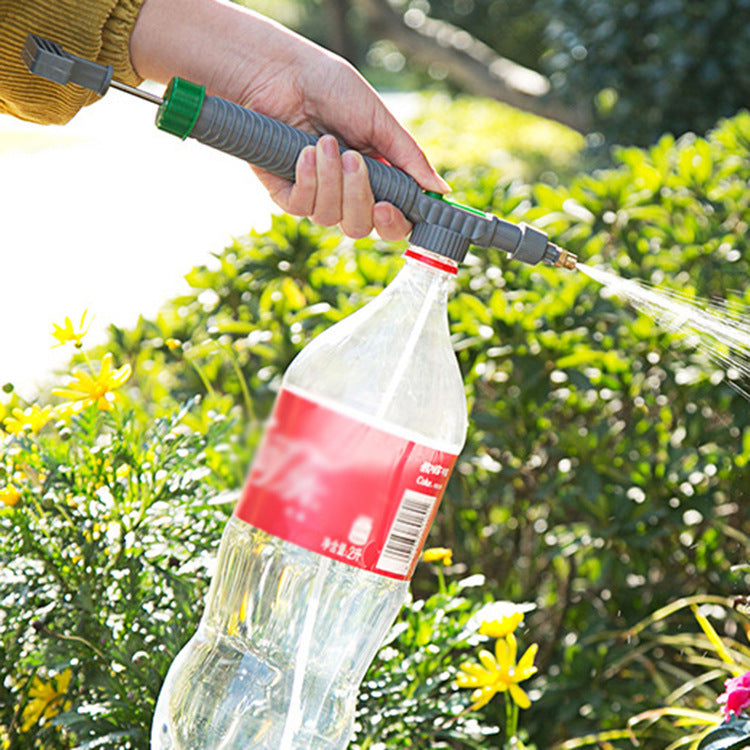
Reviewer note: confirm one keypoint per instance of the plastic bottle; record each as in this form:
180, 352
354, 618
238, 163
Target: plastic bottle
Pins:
315, 562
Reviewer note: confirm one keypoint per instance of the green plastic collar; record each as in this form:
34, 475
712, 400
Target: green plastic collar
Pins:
182, 105
441, 197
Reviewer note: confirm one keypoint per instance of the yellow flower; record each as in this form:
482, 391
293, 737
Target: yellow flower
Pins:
498, 673
10, 495
438, 554
173, 344
503, 626
87, 389
32, 419
46, 699
66, 333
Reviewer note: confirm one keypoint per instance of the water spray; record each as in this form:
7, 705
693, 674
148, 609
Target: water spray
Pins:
718, 329
440, 225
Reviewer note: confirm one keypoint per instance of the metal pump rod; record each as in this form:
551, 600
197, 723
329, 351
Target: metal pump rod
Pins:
440, 225
140, 93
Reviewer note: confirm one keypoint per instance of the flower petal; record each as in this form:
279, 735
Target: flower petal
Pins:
120, 375
467, 681
473, 669
482, 697
505, 650
488, 660
106, 366
32, 713
437, 554
62, 681
519, 697
526, 662
502, 627
736, 695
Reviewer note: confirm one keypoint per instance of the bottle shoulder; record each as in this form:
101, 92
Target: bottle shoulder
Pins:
391, 361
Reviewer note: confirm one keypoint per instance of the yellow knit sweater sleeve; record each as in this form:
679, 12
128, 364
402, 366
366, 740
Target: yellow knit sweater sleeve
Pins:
98, 30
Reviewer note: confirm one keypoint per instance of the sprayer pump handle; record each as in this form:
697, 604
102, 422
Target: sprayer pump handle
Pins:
441, 226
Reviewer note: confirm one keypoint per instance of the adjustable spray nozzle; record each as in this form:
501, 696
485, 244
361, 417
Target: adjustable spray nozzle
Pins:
440, 222
440, 225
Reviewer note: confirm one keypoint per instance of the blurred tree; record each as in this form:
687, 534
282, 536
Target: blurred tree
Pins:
353, 28
469, 63
342, 41
650, 66
631, 70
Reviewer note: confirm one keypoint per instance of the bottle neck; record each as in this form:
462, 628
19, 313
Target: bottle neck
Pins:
433, 260
425, 275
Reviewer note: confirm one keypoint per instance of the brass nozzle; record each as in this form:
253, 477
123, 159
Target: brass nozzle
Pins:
556, 256
567, 259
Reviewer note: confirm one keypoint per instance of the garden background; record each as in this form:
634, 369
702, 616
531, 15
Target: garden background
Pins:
605, 478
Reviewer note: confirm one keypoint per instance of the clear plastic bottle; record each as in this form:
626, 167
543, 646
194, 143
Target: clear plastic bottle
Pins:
290, 627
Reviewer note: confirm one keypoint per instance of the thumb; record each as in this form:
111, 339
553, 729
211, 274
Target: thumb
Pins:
392, 141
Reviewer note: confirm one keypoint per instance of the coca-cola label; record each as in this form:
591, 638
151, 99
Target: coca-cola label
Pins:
333, 484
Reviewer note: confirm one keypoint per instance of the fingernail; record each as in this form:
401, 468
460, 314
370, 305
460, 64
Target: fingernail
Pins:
444, 184
381, 214
350, 162
330, 146
307, 157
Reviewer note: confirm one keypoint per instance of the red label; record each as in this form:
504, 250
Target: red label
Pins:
335, 485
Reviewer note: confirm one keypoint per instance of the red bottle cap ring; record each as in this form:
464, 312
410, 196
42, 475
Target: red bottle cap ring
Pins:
431, 261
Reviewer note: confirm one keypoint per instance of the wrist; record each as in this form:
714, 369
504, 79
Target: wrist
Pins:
219, 45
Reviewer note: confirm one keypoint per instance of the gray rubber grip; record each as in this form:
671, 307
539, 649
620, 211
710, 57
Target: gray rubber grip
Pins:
275, 147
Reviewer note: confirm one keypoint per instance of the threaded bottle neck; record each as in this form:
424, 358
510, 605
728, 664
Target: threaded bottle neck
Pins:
433, 260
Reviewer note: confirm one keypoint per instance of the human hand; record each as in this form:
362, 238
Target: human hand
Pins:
326, 95
246, 58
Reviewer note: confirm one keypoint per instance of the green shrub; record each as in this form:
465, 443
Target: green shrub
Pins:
468, 131
650, 67
111, 514
104, 552
109, 533
607, 460
409, 697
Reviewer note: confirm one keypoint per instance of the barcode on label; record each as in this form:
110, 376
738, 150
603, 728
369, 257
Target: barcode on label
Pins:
405, 533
